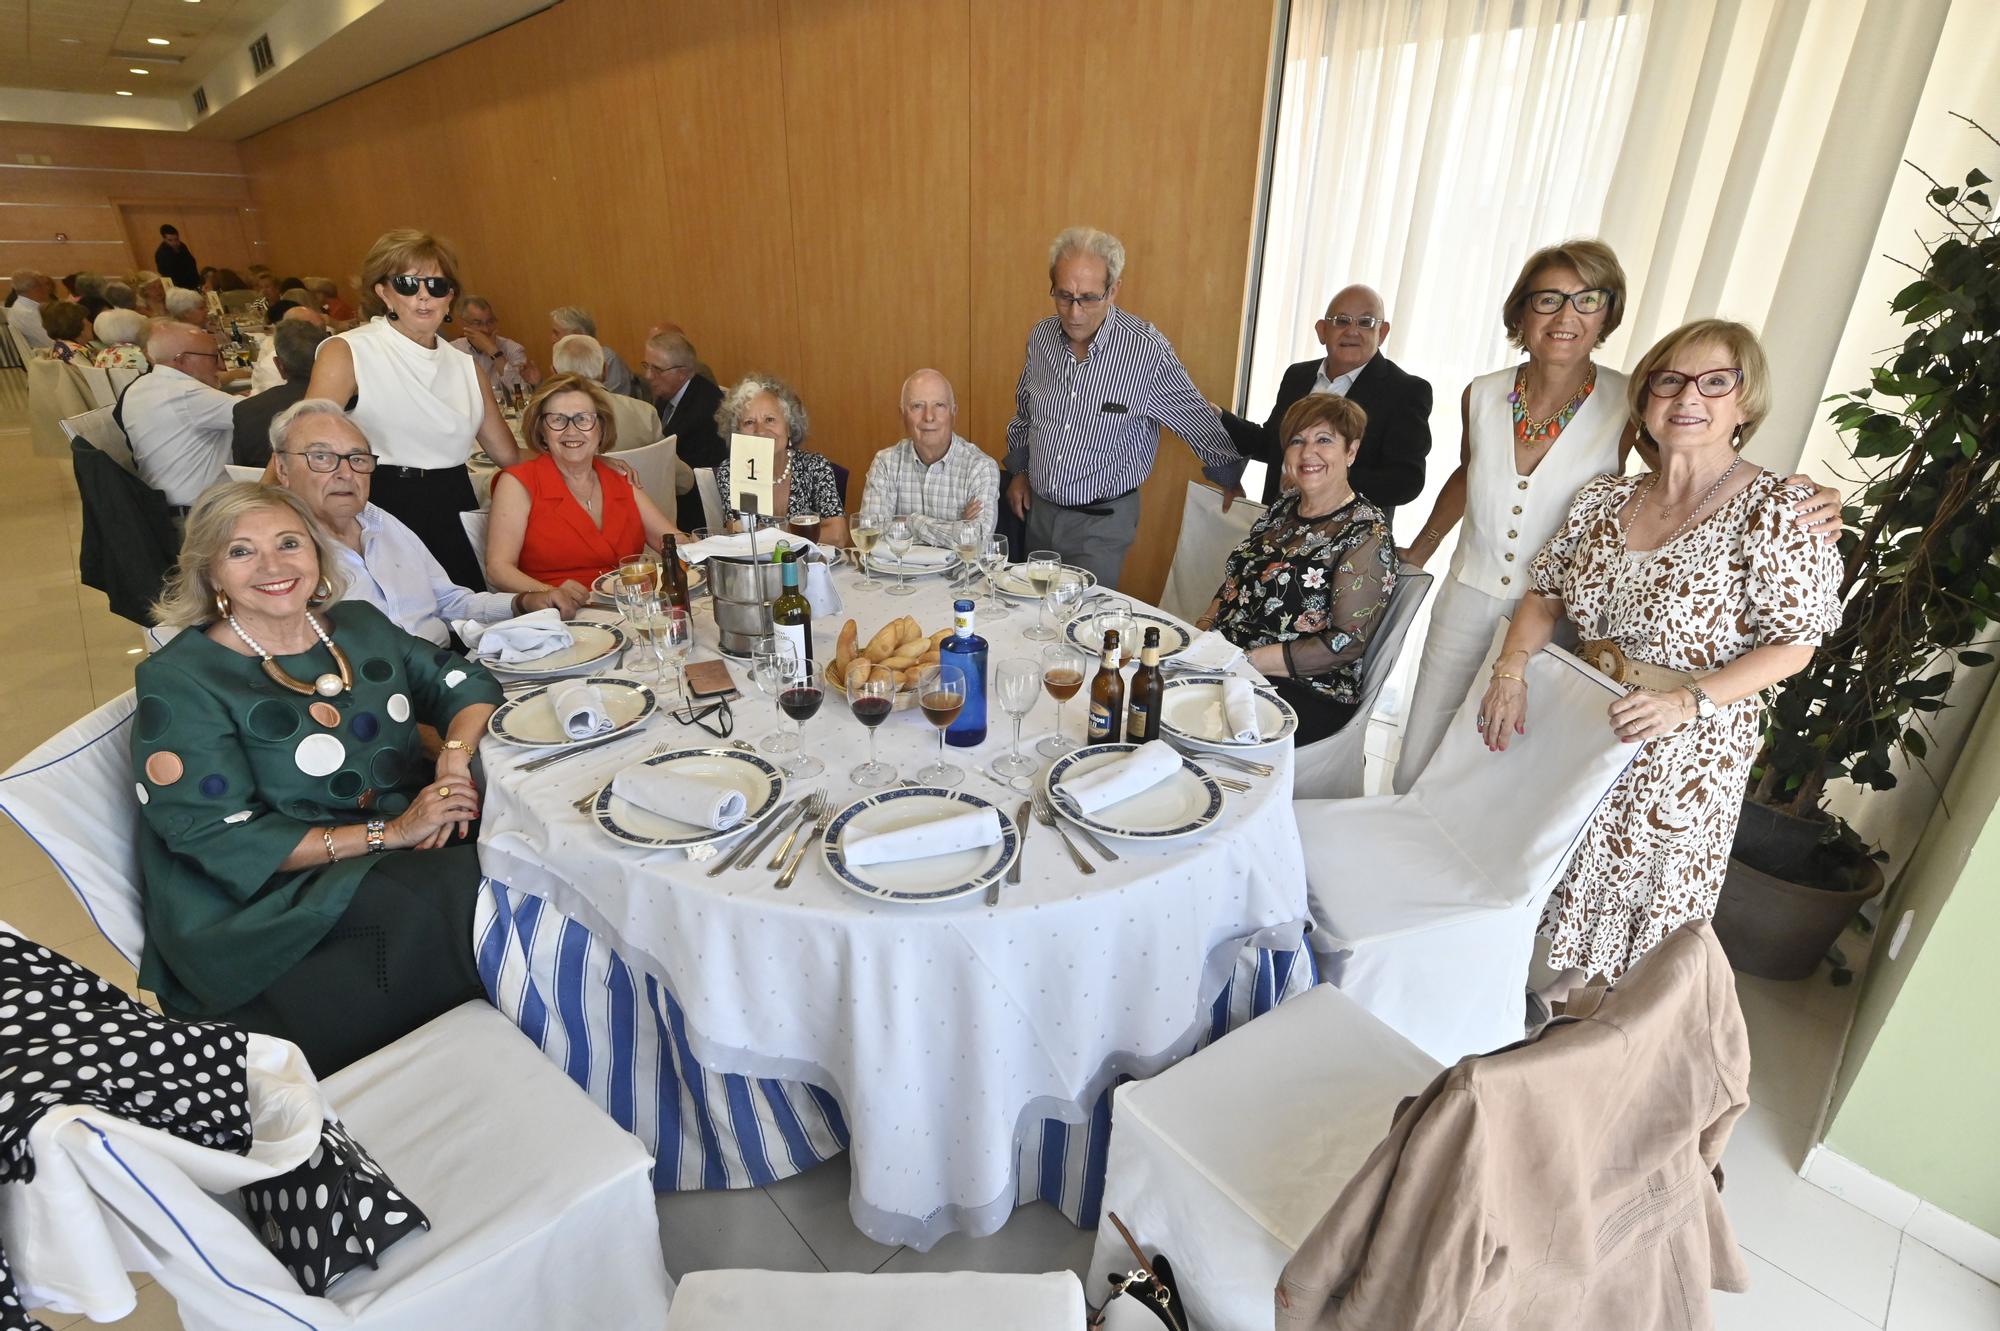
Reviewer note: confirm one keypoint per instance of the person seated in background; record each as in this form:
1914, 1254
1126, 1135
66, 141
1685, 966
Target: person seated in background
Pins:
504, 360
804, 486
618, 379
188, 307
687, 401
330, 302
220, 280
294, 344
308, 873
151, 295
580, 354
119, 296
90, 294
121, 335
933, 475
32, 290
264, 369
1308, 585
179, 422
300, 298
567, 514
267, 287
69, 333
322, 456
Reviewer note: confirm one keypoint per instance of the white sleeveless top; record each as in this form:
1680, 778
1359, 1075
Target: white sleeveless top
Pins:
1510, 517
420, 407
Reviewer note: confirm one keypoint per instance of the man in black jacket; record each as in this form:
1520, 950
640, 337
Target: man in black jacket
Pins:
687, 401
175, 261
1389, 469
294, 343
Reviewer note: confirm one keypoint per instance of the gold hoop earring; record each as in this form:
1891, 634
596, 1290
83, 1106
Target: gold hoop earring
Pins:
222, 603
322, 590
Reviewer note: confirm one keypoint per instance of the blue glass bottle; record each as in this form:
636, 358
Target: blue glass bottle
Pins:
967, 650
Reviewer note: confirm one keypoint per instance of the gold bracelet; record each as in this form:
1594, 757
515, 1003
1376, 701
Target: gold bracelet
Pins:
1501, 674
326, 835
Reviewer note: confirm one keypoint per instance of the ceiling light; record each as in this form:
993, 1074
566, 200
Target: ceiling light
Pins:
136, 70
158, 41
70, 41
123, 93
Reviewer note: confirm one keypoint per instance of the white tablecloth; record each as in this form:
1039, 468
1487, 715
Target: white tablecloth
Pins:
947, 1031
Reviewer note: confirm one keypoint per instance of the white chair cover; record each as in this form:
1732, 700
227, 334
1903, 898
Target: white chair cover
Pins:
235, 473
653, 468
959, 1300
1428, 901
711, 499
56, 390
10, 351
474, 520
1334, 767
99, 428
1207, 536
99, 382
74, 797
1225, 1162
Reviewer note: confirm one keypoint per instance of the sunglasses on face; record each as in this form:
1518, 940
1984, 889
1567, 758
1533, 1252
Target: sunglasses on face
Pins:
408, 284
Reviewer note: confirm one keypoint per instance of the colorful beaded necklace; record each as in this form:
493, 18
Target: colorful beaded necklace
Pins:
1530, 431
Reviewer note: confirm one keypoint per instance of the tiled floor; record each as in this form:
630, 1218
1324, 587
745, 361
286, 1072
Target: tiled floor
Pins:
1817, 1263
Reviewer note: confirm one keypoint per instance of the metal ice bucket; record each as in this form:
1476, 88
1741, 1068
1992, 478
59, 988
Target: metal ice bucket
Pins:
743, 590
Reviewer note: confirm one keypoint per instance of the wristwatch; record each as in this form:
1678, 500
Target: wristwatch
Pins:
1704, 706
376, 827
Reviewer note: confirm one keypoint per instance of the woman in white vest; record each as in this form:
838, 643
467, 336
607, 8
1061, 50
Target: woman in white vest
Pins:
1534, 433
422, 402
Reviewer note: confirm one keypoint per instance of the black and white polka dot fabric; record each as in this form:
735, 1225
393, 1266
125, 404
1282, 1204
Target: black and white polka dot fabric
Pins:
332, 1213
68, 1037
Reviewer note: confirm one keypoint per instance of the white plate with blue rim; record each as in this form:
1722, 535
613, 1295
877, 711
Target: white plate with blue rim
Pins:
1185, 803
604, 591
933, 878
528, 718
761, 785
1191, 714
1174, 635
592, 641
1013, 581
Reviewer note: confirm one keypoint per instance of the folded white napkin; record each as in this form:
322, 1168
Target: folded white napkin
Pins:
1239, 710
1209, 651
524, 638
579, 708
684, 799
1134, 774
940, 836
821, 594
920, 556
737, 545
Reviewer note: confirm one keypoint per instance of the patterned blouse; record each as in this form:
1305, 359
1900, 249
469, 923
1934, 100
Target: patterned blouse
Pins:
1317, 585
813, 487
121, 356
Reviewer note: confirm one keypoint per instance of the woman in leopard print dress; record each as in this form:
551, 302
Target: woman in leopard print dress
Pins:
1698, 576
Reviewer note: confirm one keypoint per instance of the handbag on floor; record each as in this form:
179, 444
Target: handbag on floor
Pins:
1151, 1288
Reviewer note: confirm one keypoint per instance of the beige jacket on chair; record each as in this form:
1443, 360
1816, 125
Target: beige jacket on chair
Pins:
1561, 1184
55, 392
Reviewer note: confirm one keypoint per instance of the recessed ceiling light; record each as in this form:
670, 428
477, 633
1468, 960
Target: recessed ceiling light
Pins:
158, 41
70, 41
123, 93
136, 70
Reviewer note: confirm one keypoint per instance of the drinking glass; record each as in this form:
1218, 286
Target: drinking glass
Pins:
968, 542
773, 664
941, 692
993, 562
1064, 667
872, 701
1042, 566
1017, 682
1117, 620
799, 697
637, 591
899, 535
674, 636
865, 530
1059, 603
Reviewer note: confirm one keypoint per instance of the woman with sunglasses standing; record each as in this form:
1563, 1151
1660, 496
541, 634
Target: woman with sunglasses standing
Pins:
1695, 588
423, 402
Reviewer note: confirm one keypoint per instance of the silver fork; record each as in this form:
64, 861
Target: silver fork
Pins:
1046, 816
1226, 782
1240, 764
816, 804
791, 872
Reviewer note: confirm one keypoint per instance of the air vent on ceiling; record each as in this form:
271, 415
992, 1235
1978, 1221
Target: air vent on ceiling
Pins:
201, 101
260, 54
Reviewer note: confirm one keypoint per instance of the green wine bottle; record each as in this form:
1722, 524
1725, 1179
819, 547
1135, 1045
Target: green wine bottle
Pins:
791, 613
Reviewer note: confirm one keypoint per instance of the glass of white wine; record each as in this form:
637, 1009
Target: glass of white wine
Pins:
899, 536
865, 530
993, 561
1041, 570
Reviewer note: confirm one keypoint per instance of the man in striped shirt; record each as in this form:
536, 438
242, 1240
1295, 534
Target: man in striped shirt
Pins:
934, 476
1097, 388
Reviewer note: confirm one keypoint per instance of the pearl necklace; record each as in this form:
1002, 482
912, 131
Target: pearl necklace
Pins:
326, 686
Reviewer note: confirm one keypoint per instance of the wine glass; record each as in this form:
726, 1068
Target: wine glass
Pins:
968, 542
772, 667
1063, 667
1017, 681
1059, 602
865, 530
993, 562
941, 692
1042, 566
872, 700
1118, 620
637, 592
799, 697
899, 535
674, 636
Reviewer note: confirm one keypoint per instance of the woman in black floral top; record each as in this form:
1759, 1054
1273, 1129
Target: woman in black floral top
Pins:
1308, 585
805, 485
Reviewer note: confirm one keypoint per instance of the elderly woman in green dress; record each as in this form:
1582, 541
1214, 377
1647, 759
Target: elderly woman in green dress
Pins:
309, 874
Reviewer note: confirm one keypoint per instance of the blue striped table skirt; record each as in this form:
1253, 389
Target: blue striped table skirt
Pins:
621, 1036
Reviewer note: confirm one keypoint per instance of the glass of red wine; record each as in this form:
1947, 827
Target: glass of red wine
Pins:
799, 697
872, 701
940, 693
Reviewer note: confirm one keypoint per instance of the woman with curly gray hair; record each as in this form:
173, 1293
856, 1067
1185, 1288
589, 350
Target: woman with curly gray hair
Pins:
804, 491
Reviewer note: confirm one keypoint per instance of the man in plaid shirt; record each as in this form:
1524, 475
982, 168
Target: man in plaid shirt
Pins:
933, 476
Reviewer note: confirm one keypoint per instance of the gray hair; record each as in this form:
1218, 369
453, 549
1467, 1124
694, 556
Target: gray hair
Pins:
578, 353
161, 334
306, 408
24, 278
675, 347
1089, 240
738, 398
146, 278
573, 319
114, 327
90, 284
182, 300
294, 345
121, 296
188, 598
469, 302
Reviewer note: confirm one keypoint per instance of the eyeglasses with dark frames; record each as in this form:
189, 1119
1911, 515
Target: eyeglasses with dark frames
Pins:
1719, 382
325, 460
585, 421
715, 719
408, 284
1089, 300
1588, 301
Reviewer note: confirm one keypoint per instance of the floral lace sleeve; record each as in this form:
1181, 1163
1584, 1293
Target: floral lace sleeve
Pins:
1358, 583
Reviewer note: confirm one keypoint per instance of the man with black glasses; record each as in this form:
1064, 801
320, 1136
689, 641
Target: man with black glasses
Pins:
180, 424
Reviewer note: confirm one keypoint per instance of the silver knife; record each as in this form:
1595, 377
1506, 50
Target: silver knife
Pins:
791, 872
787, 811
1096, 844
1021, 820
537, 764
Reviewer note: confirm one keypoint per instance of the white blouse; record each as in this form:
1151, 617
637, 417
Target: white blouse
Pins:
419, 406
1510, 517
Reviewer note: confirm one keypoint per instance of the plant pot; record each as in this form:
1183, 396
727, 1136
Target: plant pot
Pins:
1776, 842
1779, 929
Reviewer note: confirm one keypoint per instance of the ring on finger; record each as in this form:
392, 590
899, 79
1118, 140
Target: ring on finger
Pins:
444, 792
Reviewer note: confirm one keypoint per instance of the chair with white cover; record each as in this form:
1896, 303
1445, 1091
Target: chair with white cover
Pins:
102, 391
1333, 767
236, 473
960, 1300
475, 520
711, 499
653, 470
1226, 1161
56, 390
1207, 536
1425, 904
99, 428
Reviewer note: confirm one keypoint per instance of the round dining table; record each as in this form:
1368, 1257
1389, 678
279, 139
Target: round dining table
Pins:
963, 1053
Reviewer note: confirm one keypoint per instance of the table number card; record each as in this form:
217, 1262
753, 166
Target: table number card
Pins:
752, 471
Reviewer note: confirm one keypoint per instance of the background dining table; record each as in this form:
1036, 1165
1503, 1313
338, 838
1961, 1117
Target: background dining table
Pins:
948, 1044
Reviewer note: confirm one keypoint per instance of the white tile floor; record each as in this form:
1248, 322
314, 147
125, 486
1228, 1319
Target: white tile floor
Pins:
1817, 1263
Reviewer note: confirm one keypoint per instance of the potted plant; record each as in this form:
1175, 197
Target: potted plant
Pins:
1919, 588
